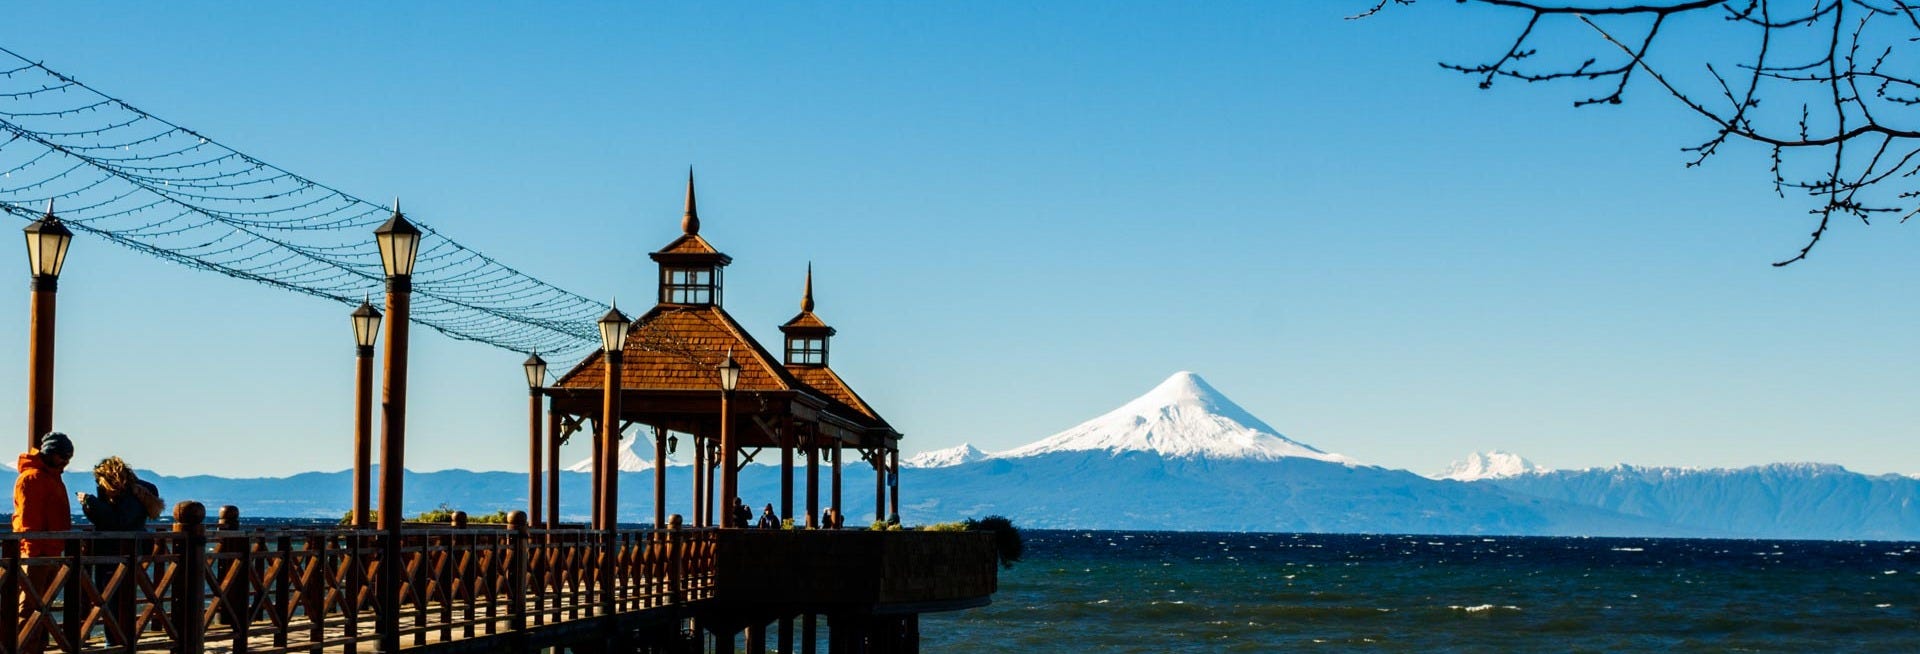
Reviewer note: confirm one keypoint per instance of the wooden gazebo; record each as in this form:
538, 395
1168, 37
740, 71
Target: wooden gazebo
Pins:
794, 404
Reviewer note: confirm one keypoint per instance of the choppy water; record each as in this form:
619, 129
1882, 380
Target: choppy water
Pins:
1186, 592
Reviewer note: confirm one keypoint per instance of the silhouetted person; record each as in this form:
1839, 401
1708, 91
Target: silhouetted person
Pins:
740, 515
124, 504
767, 518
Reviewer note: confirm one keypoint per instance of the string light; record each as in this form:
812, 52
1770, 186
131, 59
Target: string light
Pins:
139, 181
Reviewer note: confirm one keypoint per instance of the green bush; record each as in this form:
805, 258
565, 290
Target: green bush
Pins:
945, 526
1006, 537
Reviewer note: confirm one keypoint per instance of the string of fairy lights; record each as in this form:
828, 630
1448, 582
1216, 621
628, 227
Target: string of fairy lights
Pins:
119, 173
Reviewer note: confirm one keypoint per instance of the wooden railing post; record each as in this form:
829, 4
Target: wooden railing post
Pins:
283, 588
10, 593
188, 599
517, 545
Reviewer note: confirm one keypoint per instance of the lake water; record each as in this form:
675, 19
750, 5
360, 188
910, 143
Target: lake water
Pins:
1204, 592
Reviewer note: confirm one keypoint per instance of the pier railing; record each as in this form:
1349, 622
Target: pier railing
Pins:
308, 590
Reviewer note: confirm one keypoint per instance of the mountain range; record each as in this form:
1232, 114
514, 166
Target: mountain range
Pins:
1185, 457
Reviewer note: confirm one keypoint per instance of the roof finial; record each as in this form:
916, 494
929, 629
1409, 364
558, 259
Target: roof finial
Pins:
806, 301
690, 221
396, 205
49, 207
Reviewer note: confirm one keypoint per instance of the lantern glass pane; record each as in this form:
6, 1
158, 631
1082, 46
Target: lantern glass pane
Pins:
366, 329
536, 375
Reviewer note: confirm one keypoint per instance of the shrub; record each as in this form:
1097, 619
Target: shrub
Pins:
1006, 537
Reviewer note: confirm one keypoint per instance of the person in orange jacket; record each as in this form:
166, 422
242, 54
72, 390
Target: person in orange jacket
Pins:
40, 497
40, 504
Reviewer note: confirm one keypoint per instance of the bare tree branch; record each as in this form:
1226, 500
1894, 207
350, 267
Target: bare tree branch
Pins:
1849, 65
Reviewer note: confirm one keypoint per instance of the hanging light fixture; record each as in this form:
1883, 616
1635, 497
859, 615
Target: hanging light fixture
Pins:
536, 371
47, 241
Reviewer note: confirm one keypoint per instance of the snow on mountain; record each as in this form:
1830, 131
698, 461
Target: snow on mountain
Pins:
952, 456
630, 461
1183, 418
1493, 464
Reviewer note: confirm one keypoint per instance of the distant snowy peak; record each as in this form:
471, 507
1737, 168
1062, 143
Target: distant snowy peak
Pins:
952, 456
630, 461
1490, 465
1183, 417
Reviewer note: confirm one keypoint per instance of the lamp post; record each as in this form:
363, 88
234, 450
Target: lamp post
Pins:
366, 330
47, 242
399, 243
729, 378
536, 368
613, 338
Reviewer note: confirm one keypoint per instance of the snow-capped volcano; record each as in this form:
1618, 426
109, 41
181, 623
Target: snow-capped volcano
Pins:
1490, 465
630, 461
1183, 417
952, 456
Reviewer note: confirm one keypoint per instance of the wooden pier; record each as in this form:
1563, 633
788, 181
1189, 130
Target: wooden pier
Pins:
507, 588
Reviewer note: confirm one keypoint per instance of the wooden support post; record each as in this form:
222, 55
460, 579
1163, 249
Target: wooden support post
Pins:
699, 482
839, 457
10, 592
598, 470
362, 437
393, 447
534, 452
659, 476
809, 633
40, 359
520, 550
756, 638
553, 469
282, 585
188, 632
786, 468
813, 486
729, 473
879, 485
893, 483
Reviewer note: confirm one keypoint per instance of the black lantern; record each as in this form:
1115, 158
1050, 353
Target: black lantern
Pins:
536, 371
729, 373
47, 241
673, 443
366, 325
613, 329
399, 243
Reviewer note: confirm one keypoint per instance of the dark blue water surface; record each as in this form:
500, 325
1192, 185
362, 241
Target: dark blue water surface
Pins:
1208, 592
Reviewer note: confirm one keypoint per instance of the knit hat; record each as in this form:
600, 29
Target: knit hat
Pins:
57, 444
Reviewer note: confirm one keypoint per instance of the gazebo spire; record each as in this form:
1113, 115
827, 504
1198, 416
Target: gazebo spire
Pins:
806, 301
690, 221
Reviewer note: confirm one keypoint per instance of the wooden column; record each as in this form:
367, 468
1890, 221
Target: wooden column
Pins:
362, 436
393, 440
729, 451
879, 460
659, 476
553, 468
40, 359
534, 455
893, 488
610, 445
839, 457
699, 483
813, 482
594, 466
786, 467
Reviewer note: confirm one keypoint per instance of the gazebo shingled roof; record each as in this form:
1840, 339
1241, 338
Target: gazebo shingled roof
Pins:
672, 351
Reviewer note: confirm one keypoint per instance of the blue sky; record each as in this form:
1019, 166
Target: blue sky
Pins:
1019, 217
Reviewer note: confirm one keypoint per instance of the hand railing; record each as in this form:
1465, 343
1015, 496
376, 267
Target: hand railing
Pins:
308, 590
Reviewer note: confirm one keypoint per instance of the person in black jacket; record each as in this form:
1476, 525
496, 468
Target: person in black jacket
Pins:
124, 504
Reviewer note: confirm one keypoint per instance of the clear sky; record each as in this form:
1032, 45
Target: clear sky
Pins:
1019, 217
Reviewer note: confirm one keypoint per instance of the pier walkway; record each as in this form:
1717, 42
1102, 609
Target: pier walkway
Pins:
484, 588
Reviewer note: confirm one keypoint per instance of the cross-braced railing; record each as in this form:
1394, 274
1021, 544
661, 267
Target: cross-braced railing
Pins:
292, 590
